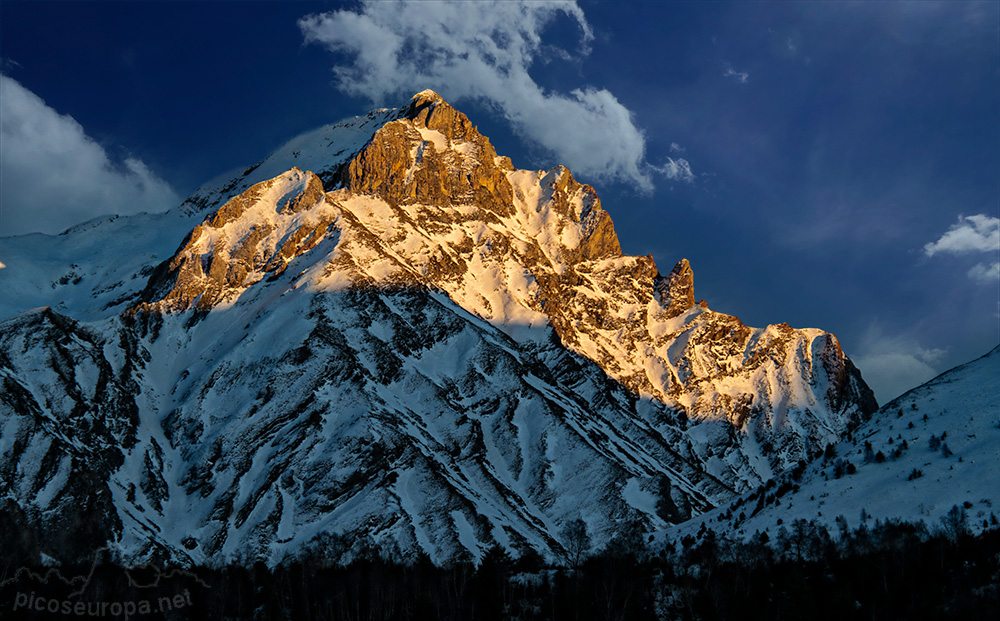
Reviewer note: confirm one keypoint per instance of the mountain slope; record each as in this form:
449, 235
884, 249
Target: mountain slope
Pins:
416, 346
931, 449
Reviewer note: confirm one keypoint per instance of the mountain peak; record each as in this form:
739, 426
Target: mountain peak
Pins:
386, 327
426, 204
431, 154
429, 111
426, 95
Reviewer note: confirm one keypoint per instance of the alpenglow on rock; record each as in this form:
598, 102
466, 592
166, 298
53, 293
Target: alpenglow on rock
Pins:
386, 335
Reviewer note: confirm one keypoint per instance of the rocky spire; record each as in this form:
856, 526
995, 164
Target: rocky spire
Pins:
676, 290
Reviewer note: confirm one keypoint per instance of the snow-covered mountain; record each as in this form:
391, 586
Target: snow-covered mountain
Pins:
385, 335
933, 448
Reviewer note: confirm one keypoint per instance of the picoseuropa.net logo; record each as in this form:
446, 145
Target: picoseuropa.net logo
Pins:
104, 591
128, 609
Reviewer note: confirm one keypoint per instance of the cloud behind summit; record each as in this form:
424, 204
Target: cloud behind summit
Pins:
483, 51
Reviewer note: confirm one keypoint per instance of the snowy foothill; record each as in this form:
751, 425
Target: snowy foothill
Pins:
931, 449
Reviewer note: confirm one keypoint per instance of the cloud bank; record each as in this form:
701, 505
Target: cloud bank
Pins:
979, 233
483, 51
52, 175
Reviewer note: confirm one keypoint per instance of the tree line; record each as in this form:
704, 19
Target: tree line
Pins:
879, 570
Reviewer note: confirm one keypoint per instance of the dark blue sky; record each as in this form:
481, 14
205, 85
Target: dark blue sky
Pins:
830, 143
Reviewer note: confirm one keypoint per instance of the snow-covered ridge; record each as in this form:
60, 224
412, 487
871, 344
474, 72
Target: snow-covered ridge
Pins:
252, 235
402, 339
322, 150
931, 449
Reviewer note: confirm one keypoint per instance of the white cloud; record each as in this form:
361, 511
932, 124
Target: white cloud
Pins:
676, 148
891, 365
980, 233
971, 234
54, 175
983, 273
741, 76
482, 51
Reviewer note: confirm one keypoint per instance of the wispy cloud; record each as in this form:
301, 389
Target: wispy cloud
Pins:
985, 273
893, 364
676, 169
740, 76
482, 51
54, 175
972, 234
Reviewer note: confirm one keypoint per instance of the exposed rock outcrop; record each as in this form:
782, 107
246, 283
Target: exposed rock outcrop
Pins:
676, 291
234, 249
432, 155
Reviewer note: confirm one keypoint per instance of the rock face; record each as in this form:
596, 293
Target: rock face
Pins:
252, 236
415, 347
676, 292
431, 155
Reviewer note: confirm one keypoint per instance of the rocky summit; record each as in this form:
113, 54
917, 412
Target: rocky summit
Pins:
384, 335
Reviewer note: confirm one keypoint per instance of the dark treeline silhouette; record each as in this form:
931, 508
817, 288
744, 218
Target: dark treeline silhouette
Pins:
884, 570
